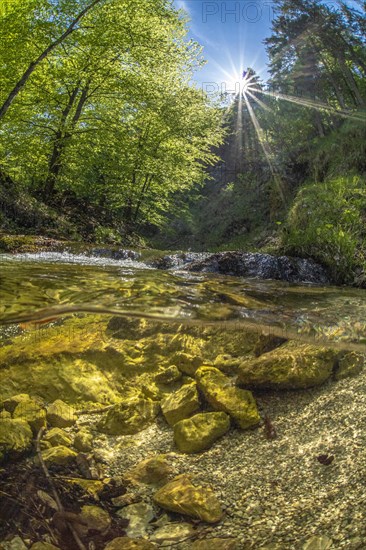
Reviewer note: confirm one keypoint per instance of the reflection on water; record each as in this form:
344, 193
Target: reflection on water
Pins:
40, 287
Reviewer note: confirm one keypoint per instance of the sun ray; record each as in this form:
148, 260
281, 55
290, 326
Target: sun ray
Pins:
312, 104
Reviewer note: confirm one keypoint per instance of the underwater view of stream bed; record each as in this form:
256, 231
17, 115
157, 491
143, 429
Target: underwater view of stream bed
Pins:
166, 408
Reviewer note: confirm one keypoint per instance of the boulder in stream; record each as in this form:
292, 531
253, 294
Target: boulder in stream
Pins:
129, 417
200, 432
262, 266
291, 366
180, 404
222, 395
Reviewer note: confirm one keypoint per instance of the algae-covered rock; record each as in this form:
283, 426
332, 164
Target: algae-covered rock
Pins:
139, 516
15, 438
180, 404
127, 543
83, 441
60, 415
215, 544
223, 396
91, 487
43, 546
57, 436
95, 519
318, 542
291, 366
183, 497
11, 403
169, 375
227, 363
266, 343
32, 412
59, 455
173, 533
199, 432
129, 417
15, 543
186, 362
348, 364
152, 471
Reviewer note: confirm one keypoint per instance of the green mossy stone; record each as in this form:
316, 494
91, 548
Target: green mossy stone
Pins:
59, 455
183, 497
60, 415
15, 438
152, 471
349, 364
169, 375
186, 362
83, 441
200, 432
129, 417
181, 403
43, 546
31, 412
96, 518
291, 366
126, 543
222, 395
57, 436
11, 403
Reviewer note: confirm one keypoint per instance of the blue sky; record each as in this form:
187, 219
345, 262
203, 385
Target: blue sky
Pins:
232, 34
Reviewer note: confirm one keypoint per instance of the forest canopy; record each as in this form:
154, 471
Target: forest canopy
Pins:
97, 105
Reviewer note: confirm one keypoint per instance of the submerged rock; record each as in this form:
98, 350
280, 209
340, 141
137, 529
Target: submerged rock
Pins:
183, 497
15, 438
222, 395
262, 266
216, 544
95, 519
180, 404
59, 455
60, 415
126, 543
57, 436
152, 471
169, 375
139, 516
43, 546
32, 412
129, 417
348, 363
291, 366
199, 432
187, 363
173, 533
318, 543
83, 441
11, 403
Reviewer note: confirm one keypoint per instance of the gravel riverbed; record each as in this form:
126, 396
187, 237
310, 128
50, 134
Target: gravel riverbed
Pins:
276, 493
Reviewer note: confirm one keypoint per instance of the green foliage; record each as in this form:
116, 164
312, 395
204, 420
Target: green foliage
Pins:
327, 222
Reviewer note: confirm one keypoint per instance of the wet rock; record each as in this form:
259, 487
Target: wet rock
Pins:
15, 438
215, 544
57, 436
129, 417
183, 497
12, 402
220, 393
262, 266
43, 546
187, 363
199, 432
291, 366
139, 516
126, 543
95, 519
180, 404
83, 441
318, 543
169, 375
348, 364
173, 532
4, 414
178, 260
266, 343
60, 415
91, 487
152, 471
59, 455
